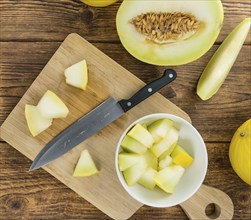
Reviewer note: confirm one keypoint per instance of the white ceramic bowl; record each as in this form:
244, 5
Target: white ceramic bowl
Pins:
192, 142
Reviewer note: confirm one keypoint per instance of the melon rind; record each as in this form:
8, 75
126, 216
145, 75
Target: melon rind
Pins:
210, 13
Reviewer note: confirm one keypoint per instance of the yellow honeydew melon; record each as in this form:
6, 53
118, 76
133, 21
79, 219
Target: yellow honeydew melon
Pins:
99, 3
77, 75
147, 179
222, 61
142, 135
168, 178
240, 152
176, 50
85, 165
35, 120
181, 157
51, 106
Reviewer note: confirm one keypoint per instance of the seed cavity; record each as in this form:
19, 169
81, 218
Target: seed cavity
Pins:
165, 27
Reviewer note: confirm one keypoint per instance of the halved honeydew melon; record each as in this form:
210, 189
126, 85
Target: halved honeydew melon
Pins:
147, 179
35, 120
131, 145
182, 43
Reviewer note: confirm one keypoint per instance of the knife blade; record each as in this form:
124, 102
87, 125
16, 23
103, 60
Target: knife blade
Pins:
95, 120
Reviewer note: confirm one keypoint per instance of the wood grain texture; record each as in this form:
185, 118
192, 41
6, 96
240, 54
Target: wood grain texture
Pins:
106, 78
53, 20
205, 115
31, 31
34, 195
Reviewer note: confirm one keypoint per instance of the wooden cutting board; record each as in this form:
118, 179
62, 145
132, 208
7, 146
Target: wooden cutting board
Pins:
106, 78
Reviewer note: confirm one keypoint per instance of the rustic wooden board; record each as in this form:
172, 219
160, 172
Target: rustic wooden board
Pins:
106, 78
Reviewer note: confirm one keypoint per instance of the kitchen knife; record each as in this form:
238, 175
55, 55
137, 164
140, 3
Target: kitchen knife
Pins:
95, 120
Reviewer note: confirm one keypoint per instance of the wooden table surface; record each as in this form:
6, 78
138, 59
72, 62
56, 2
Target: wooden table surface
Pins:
32, 30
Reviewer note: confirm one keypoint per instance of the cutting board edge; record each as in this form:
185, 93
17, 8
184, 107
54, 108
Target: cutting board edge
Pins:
185, 116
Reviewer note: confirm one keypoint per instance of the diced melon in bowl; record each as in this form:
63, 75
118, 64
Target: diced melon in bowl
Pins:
51, 106
35, 120
168, 178
126, 160
181, 157
134, 173
147, 179
150, 159
167, 161
131, 145
160, 128
142, 135
167, 143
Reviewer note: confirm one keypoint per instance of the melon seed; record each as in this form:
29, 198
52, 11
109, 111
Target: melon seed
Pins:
165, 27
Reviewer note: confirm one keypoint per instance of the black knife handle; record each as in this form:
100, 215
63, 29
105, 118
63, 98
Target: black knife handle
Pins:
168, 76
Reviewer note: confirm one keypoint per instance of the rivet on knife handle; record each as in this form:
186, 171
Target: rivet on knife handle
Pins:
168, 76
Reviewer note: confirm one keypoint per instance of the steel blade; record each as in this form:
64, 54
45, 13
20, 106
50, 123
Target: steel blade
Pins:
79, 131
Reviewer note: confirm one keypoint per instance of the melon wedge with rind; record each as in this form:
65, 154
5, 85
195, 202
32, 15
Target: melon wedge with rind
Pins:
142, 135
159, 128
131, 145
134, 173
168, 178
147, 179
126, 160
85, 165
181, 157
77, 75
35, 120
222, 61
51, 106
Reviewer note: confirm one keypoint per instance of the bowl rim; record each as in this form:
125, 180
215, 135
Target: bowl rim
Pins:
160, 115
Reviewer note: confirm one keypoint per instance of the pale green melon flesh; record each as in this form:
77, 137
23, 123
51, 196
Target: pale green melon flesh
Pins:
168, 178
85, 165
159, 128
131, 145
141, 134
220, 64
147, 179
165, 162
208, 13
167, 143
126, 160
